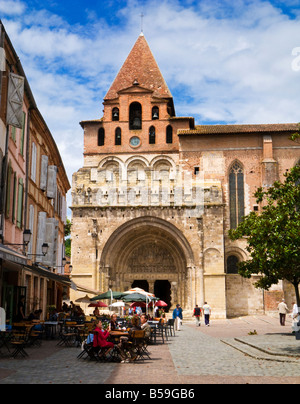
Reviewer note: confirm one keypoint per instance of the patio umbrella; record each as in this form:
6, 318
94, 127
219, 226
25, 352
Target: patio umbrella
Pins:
161, 303
117, 304
85, 299
139, 291
135, 297
108, 295
98, 304
136, 304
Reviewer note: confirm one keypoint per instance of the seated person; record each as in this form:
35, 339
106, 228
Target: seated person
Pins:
100, 339
145, 326
125, 345
113, 323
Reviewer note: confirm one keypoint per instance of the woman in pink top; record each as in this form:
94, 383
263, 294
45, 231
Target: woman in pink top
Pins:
100, 338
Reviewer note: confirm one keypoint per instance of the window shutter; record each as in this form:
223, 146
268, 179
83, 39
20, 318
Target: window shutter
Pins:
15, 101
22, 140
41, 232
20, 203
2, 59
33, 162
44, 173
51, 182
51, 238
31, 225
9, 174
64, 210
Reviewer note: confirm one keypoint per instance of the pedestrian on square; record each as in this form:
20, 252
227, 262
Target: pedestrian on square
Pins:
283, 310
197, 314
207, 313
177, 316
295, 318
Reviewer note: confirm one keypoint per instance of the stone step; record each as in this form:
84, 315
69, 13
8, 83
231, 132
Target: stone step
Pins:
257, 353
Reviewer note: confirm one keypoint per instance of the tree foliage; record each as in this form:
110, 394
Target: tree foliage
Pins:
274, 235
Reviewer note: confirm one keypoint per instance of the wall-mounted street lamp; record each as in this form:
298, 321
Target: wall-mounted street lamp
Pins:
26, 239
45, 248
64, 263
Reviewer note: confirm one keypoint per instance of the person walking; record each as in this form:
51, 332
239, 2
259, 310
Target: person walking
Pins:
295, 318
283, 310
177, 316
207, 313
197, 314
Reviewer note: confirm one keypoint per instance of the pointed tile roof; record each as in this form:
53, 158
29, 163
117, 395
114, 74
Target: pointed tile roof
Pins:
140, 69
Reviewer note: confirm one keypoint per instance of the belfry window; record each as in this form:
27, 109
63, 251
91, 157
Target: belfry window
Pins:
152, 135
101, 137
237, 194
155, 113
135, 116
118, 137
169, 134
115, 114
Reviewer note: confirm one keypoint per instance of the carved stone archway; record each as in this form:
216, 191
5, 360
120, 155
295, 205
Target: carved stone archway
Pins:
152, 249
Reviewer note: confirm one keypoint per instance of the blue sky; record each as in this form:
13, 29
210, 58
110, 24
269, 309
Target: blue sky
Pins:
224, 61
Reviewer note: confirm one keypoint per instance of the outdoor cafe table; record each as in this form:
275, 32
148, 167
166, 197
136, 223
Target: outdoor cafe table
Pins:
50, 328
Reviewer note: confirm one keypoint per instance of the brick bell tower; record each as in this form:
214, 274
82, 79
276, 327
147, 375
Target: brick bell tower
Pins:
139, 114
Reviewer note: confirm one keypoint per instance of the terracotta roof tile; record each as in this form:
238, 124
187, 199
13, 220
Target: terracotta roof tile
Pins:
223, 129
140, 66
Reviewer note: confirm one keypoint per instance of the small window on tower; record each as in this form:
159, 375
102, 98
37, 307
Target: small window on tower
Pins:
135, 116
118, 137
152, 135
169, 134
115, 114
155, 113
101, 137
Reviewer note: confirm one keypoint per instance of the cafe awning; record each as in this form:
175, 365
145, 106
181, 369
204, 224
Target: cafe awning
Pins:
42, 271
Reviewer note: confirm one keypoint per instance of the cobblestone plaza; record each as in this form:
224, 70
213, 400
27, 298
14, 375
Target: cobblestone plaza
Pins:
202, 355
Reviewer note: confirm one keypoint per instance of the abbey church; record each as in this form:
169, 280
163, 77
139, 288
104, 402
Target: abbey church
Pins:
157, 194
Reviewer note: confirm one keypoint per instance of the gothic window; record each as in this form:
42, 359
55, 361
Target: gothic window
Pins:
232, 265
135, 116
115, 114
169, 134
152, 135
118, 137
101, 137
155, 113
236, 194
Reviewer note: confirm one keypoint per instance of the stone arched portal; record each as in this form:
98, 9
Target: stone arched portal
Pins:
149, 249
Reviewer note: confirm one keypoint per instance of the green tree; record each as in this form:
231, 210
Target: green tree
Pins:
274, 235
67, 238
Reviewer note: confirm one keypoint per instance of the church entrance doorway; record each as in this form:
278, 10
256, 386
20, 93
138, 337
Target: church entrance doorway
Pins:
162, 289
141, 284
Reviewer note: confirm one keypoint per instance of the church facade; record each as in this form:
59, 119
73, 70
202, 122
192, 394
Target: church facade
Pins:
157, 195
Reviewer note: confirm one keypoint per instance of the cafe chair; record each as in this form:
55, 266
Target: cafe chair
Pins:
67, 335
19, 340
139, 344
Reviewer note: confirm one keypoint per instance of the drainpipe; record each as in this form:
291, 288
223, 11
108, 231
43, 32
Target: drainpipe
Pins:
26, 174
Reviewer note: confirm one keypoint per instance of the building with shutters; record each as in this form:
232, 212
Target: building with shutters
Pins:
157, 195
34, 185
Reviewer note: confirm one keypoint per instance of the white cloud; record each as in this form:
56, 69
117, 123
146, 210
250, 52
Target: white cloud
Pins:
223, 61
11, 7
